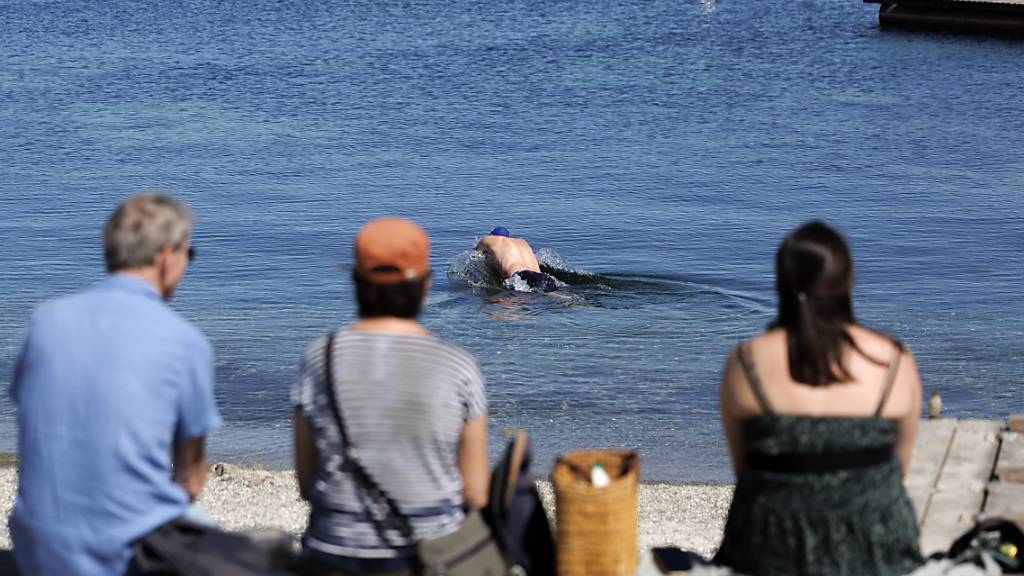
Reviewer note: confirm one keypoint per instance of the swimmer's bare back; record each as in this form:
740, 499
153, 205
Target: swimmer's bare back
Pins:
510, 255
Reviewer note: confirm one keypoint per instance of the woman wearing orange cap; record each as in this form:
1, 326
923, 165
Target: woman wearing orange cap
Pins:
390, 421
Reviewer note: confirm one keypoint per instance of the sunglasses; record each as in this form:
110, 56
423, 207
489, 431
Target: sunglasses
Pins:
191, 253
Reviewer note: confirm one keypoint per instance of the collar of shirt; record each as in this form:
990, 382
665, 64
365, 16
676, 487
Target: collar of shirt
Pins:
130, 283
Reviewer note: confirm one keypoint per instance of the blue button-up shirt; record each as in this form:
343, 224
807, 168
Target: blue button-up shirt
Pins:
106, 380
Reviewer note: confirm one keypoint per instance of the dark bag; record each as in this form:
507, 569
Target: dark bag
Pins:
996, 539
184, 548
515, 512
469, 551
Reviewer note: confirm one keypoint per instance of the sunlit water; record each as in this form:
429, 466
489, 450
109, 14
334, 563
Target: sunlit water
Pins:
657, 151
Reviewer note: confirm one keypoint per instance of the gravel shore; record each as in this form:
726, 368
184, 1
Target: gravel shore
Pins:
691, 516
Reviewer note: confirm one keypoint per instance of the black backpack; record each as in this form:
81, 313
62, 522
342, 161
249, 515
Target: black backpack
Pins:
515, 512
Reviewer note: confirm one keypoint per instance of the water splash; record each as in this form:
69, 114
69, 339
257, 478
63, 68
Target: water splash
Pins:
551, 259
516, 283
519, 285
567, 275
471, 266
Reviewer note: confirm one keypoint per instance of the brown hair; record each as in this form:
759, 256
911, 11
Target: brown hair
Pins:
398, 299
814, 282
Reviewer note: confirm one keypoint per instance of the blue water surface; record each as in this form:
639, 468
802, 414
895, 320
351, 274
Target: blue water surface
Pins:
659, 148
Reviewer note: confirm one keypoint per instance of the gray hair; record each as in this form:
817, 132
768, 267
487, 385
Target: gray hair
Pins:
141, 226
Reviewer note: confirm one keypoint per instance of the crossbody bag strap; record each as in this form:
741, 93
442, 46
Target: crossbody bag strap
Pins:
361, 475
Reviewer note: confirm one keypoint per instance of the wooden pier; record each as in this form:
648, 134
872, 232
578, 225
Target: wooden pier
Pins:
961, 469
996, 17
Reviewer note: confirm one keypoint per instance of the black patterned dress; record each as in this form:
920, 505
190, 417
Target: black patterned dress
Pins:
820, 495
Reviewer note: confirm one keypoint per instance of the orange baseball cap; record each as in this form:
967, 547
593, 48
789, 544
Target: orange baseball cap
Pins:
391, 250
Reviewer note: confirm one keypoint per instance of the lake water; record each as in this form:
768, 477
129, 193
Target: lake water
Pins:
658, 149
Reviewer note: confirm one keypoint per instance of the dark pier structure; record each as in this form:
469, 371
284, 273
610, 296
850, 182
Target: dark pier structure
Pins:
996, 17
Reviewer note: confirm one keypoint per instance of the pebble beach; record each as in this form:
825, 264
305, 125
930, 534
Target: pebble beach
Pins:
691, 516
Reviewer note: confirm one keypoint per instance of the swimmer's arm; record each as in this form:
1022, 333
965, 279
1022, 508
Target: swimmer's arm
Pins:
484, 245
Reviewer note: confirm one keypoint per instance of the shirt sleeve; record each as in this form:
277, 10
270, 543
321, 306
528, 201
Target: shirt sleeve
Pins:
198, 415
19, 369
310, 370
474, 399
19, 365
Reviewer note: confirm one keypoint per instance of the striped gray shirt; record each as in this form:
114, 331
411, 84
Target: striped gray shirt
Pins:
404, 400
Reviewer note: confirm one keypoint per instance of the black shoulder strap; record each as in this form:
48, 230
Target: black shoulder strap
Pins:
747, 360
890, 377
360, 474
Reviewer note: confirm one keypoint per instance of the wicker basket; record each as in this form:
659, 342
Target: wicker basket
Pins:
596, 526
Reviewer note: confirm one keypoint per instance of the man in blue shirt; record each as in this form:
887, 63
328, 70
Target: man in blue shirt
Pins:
110, 385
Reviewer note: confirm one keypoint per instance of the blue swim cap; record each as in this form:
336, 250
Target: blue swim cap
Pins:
500, 231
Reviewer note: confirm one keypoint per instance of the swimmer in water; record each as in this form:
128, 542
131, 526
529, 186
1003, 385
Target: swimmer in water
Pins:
514, 258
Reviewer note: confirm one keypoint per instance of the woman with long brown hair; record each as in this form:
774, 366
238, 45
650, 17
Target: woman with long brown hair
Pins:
820, 415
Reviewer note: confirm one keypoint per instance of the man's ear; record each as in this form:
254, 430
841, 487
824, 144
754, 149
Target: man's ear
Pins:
162, 255
162, 260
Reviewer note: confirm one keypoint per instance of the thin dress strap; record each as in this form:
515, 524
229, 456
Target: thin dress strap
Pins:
890, 377
755, 383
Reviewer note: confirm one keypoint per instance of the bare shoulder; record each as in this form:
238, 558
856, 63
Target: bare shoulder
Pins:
905, 396
874, 344
736, 396
730, 373
521, 242
768, 345
770, 337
